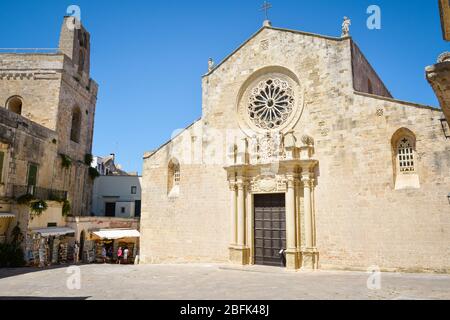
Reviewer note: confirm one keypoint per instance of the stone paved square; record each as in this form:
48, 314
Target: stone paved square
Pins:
216, 282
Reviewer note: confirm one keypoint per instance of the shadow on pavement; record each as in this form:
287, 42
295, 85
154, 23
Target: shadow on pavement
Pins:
43, 298
13, 272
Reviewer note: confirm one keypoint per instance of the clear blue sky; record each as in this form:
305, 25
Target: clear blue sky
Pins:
148, 56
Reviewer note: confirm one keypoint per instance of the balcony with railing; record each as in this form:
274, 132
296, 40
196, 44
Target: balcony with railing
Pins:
39, 193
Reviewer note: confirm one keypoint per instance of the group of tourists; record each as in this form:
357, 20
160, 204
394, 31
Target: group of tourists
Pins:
123, 255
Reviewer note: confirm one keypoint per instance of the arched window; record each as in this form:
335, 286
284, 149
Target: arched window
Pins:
405, 159
81, 61
174, 178
369, 86
405, 154
76, 125
14, 104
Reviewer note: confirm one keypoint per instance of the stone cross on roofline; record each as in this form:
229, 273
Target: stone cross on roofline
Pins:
266, 7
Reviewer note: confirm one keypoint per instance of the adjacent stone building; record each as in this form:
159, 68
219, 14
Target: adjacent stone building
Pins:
439, 74
47, 109
301, 154
444, 9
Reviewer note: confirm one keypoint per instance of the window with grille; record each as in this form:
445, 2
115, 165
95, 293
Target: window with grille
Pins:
406, 156
176, 176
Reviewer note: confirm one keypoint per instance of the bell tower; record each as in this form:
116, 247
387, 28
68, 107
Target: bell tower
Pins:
75, 43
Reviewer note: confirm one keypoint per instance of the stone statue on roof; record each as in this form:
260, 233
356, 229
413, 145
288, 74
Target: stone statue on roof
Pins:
346, 27
211, 65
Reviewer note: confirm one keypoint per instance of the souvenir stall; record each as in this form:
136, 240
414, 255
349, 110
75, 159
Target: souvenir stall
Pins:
113, 239
45, 247
5, 219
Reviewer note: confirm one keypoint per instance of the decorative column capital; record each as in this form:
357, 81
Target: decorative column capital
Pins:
307, 177
290, 182
232, 185
241, 183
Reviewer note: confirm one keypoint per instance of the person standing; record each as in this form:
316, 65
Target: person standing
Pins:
119, 255
42, 251
104, 254
125, 255
76, 253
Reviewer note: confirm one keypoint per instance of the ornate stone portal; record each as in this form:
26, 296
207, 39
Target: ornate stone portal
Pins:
274, 163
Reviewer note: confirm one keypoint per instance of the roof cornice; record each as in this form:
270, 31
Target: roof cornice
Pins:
276, 29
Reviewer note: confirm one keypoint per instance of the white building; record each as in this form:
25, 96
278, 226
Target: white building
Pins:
106, 166
117, 196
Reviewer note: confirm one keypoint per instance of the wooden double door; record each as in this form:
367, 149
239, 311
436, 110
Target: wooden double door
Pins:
270, 229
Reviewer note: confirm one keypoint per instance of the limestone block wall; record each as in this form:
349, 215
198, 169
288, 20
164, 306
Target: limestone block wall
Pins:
323, 65
27, 142
51, 89
36, 78
87, 224
438, 76
83, 96
193, 226
365, 79
52, 215
361, 219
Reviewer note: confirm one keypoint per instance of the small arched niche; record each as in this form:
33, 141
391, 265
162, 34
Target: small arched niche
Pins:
81, 61
15, 104
75, 131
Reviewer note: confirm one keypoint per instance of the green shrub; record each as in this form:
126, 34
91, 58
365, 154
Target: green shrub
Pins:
37, 207
25, 199
93, 173
11, 256
66, 161
66, 208
88, 158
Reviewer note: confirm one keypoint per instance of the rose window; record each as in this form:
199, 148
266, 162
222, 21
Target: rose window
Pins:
271, 104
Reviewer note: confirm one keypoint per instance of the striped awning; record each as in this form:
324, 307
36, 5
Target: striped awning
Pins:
7, 216
115, 234
53, 232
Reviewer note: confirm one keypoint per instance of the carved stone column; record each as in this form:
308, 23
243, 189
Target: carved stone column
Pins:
309, 252
240, 252
233, 197
306, 179
241, 214
292, 253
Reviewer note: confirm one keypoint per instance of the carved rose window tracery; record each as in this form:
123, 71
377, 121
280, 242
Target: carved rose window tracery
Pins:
271, 104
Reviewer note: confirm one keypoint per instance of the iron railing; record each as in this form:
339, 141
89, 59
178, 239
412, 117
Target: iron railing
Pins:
30, 50
39, 193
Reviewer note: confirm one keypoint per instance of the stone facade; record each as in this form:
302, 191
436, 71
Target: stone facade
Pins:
438, 76
52, 117
444, 8
352, 199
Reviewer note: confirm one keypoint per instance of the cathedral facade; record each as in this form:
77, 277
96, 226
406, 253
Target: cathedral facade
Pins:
303, 159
